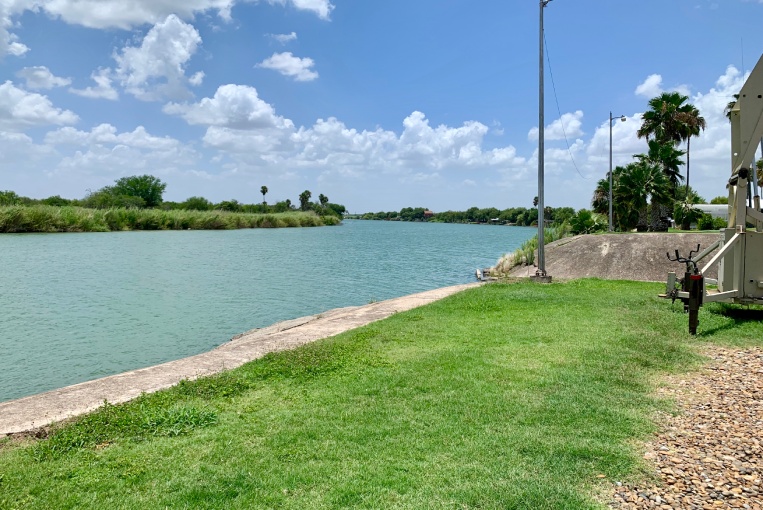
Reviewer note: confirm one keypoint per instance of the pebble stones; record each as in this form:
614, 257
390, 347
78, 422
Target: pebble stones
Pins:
710, 455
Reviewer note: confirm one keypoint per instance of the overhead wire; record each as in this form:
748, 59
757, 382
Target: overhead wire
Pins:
556, 98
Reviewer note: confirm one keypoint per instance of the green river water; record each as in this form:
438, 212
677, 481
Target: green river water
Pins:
77, 307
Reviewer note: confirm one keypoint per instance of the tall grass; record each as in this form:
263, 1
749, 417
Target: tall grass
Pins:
525, 254
43, 218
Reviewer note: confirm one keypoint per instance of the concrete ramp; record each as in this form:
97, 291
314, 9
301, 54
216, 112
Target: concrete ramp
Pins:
639, 257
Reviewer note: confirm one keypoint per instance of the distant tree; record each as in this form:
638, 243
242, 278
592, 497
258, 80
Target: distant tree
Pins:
720, 200
197, 204
323, 199
304, 200
562, 214
107, 198
147, 187
56, 201
9, 198
264, 191
229, 205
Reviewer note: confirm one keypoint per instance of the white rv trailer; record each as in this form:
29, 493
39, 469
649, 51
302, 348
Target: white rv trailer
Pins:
739, 252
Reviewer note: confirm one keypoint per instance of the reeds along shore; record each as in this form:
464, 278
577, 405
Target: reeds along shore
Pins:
42, 218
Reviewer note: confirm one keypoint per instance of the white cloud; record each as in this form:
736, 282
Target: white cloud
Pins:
9, 42
284, 38
568, 127
106, 134
156, 69
20, 110
127, 14
322, 8
103, 88
288, 65
233, 106
651, 87
40, 77
101, 154
197, 78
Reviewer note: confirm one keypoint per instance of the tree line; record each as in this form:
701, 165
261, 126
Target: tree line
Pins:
520, 216
147, 192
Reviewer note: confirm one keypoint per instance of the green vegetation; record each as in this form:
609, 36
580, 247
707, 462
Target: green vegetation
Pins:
525, 254
136, 203
476, 401
46, 218
644, 193
520, 216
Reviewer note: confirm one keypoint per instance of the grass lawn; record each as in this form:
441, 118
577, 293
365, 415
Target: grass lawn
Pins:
505, 396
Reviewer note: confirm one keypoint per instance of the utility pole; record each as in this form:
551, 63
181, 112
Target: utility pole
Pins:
540, 274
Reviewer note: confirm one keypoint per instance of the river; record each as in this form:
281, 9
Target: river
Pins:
76, 307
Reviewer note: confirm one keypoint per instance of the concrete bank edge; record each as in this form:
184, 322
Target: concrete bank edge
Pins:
29, 413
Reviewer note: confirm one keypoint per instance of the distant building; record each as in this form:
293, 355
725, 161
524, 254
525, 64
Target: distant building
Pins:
428, 214
714, 210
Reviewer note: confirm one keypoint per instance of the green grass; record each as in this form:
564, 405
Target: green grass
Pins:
504, 396
43, 218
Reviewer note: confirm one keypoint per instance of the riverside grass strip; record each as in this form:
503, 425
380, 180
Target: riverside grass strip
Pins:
506, 396
43, 218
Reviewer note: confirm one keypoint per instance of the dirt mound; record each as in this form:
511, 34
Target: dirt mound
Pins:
619, 256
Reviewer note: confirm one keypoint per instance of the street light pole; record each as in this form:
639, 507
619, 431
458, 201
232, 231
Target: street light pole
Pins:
622, 118
541, 272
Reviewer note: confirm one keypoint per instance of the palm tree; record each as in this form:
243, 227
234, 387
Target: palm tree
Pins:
671, 119
639, 182
264, 191
666, 158
693, 122
661, 121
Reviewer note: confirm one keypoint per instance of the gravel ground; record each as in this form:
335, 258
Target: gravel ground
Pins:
708, 456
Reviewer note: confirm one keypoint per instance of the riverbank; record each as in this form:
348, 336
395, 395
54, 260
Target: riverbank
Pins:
476, 400
29, 413
49, 219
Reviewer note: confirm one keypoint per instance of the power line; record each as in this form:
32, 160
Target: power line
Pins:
569, 150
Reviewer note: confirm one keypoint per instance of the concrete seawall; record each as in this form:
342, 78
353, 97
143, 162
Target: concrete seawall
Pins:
29, 413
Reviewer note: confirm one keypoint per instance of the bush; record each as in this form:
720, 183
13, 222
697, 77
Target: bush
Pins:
586, 222
705, 222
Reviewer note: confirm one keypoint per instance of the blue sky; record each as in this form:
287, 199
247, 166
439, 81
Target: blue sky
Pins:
378, 105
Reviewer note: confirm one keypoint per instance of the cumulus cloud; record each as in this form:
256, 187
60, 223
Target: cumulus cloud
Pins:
20, 110
322, 8
233, 106
284, 38
568, 127
652, 87
104, 153
103, 88
9, 42
288, 65
106, 134
155, 70
40, 77
127, 14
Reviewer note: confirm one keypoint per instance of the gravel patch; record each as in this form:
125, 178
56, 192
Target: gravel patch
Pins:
708, 456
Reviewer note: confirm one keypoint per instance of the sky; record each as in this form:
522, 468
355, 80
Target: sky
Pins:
378, 105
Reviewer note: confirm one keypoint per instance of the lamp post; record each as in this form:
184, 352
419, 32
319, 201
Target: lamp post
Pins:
622, 118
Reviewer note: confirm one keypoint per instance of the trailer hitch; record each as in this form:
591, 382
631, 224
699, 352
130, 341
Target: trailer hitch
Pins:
693, 285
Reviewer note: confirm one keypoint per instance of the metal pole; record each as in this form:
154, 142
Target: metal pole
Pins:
541, 223
611, 222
